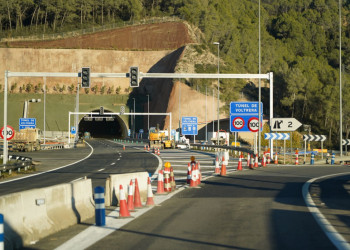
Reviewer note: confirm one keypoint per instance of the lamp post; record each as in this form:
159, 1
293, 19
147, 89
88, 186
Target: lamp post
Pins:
206, 123
148, 115
340, 86
259, 110
133, 134
180, 109
218, 44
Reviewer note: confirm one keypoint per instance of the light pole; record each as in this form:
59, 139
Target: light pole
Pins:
148, 115
340, 86
133, 135
206, 123
218, 44
259, 110
179, 109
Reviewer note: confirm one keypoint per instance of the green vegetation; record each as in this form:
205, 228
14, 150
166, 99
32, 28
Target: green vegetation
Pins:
299, 42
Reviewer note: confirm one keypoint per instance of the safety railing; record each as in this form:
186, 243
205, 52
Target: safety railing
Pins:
15, 162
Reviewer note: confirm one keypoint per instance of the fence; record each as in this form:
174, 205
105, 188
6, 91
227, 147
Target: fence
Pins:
15, 162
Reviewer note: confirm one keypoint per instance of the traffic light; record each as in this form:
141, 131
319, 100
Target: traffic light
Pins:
134, 77
85, 77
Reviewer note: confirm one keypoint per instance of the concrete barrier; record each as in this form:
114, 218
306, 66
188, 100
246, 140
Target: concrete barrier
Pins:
34, 214
114, 181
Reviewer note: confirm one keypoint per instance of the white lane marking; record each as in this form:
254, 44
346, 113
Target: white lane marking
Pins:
112, 163
336, 238
92, 150
118, 159
100, 169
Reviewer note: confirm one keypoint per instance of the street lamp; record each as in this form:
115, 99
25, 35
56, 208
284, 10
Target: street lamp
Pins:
148, 115
218, 44
26, 106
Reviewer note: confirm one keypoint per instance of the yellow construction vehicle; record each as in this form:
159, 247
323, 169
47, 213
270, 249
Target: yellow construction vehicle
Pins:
159, 139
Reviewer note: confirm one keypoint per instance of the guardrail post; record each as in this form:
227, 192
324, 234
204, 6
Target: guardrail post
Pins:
100, 211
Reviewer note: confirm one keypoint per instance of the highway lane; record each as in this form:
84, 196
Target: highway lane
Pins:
107, 158
258, 209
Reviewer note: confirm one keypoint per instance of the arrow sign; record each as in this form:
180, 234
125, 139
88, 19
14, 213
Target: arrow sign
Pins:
314, 137
284, 124
277, 136
346, 142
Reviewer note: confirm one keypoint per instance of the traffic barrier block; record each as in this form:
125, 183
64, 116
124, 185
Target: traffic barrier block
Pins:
100, 211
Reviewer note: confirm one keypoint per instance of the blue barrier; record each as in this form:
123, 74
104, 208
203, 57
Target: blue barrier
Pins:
2, 246
312, 161
100, 211
333, 158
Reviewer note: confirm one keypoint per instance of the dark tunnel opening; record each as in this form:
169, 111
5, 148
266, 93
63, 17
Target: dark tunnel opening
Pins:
103, 126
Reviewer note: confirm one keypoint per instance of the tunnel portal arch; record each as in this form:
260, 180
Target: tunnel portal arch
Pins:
100, 127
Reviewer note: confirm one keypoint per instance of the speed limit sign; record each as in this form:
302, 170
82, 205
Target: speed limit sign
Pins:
253, 124
238, 123
10, 132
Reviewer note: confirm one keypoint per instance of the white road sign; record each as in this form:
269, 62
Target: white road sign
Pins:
253, 124
284, 124
10, 132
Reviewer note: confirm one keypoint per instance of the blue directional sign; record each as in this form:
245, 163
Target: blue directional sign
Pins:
141, 131
189, 125
129, 132
277, 136
73, 130
244, 116
27, 123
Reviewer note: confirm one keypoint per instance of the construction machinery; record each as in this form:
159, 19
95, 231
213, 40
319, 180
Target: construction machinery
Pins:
159, 139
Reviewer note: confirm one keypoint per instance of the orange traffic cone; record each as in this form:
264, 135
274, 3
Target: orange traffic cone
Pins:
160, 188
189, 173
217, 167
199, 172
248, 160
123, 207
239, 167
256, 163
172, 179
158, 151
123, 147
148, 148
137, 197
223, 169
276, 158
268, 158
150, 201
264, 160
131, 207
144, 147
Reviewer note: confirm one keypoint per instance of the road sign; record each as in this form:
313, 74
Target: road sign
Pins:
27, 123
277, 136
129, 132
141, 131
314, 137
73, 130
189, 125
10, 132
345, 142
241, 114
173, 132
284, 124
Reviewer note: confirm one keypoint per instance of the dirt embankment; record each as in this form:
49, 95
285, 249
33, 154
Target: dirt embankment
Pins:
160, 36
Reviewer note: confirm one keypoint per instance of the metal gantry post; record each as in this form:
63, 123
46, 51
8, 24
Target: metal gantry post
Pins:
5, 148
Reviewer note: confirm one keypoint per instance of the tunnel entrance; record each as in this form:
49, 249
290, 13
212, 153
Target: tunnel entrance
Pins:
103, 126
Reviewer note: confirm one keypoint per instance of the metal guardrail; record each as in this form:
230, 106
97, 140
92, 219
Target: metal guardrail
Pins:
20, 162
232, 148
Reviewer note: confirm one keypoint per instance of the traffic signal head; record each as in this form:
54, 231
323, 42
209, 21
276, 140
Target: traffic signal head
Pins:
134, 77
85, 77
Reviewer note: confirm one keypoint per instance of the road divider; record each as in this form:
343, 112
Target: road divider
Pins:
34, 214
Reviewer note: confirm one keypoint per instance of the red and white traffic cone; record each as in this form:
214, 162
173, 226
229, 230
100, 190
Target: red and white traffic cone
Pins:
239, 167
150, 200
248, 160
296, 157
223, 169
160, 188
137, 197
144, 147
251, 164
217, 166
167, 186
189, 173
276, 158
193, 182
256, 163
199, 172
148, 148
264, 160
123, 207
158, 151
268, 158
172, 179
123, 147
131, 207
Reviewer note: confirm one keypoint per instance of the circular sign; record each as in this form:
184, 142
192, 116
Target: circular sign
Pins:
10, 132
253, 124
238, 123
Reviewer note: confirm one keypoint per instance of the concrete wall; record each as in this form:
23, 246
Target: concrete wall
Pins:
112, 186
64, 205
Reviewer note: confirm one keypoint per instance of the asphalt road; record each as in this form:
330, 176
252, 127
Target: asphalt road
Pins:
256, 209
107, 158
